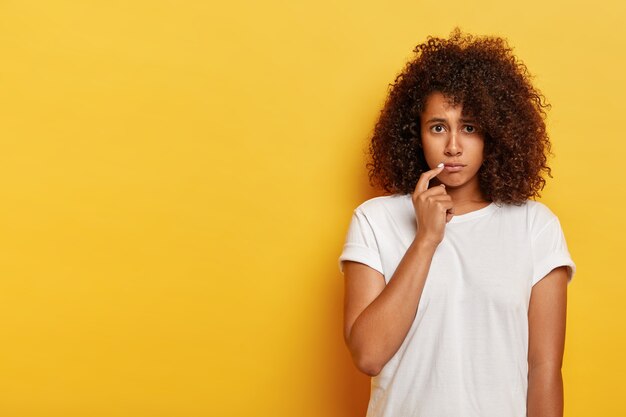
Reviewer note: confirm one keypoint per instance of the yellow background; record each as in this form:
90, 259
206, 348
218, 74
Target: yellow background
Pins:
178, 177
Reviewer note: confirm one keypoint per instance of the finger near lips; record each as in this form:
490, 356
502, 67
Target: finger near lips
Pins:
424, 180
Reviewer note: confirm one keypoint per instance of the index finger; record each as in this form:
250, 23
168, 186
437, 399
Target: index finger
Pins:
422, 183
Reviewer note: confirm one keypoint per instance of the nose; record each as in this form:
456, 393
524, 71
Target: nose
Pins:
453, 147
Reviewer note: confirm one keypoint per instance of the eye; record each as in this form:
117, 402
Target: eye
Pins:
469, 129
437, 128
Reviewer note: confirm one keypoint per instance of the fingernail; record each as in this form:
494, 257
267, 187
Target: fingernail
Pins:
443, 185
440, 165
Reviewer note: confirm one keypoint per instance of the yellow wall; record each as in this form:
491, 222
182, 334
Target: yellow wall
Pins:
177, 180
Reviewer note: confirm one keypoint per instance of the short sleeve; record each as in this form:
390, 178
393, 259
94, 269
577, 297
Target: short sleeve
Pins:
550, 251
361, 245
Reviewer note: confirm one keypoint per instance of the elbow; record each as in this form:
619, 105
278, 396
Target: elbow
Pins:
364, 355
367, 364
370, 370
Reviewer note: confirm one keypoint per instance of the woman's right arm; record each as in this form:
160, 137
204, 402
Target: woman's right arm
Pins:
377, 317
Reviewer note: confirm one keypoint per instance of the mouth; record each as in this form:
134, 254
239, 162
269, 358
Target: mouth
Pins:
453, 167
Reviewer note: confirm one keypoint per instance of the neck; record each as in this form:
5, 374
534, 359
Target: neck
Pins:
466, 198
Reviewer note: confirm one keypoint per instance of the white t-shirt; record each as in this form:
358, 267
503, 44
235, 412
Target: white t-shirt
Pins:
466, 353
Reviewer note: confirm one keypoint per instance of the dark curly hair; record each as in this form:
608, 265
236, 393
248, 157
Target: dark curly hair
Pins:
483, 75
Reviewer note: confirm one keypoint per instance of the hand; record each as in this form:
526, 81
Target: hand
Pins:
433, 207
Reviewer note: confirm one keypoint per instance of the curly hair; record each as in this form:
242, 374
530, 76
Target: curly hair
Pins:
483, 75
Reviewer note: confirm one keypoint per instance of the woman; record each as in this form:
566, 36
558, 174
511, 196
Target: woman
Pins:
456, 282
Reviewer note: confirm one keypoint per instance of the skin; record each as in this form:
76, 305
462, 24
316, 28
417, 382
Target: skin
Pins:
449, 136
377, 316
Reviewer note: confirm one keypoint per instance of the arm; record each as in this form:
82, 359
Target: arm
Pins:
377, 317
546, 326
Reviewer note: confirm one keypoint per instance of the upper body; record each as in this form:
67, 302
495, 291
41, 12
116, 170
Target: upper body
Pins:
466, 351
456, 283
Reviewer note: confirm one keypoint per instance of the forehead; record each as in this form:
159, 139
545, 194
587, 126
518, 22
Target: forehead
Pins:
438, 103
442, 104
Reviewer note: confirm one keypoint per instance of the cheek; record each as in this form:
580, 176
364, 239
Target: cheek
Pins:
431, 152
482, 151
429, 145
477, 149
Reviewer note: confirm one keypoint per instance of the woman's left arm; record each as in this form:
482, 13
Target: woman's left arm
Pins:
546, 343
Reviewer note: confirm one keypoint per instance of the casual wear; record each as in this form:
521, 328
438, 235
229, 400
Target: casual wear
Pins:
466, 353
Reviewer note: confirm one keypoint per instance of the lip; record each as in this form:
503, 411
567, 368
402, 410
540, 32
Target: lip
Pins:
453, 167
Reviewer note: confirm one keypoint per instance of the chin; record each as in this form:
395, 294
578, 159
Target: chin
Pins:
453, 184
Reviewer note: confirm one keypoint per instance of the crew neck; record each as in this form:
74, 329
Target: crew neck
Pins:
488, 209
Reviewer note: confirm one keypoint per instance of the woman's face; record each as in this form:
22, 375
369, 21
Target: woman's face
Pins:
453, 138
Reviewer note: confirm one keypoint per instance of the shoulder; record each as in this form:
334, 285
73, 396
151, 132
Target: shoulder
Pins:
387, 212
387, 204
540, 215
535, 214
